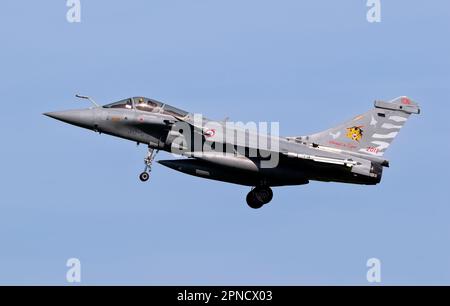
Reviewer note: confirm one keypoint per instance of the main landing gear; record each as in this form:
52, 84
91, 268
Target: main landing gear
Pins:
259, 196
148, 160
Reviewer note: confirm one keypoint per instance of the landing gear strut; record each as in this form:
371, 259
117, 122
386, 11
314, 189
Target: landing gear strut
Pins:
259, 196
148, 160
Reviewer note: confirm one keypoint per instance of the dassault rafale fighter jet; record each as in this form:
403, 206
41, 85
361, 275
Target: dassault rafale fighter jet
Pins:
349, 153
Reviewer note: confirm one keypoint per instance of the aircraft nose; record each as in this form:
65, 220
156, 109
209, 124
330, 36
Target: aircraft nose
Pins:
82, 118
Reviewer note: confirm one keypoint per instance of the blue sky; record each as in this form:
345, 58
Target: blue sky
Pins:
67, 192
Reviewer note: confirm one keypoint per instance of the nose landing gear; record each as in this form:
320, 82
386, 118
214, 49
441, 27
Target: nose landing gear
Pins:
259, 196
148, 160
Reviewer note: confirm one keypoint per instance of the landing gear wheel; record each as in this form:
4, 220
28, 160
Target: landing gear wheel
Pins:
253, 202
263, 194
259, 196
144, 176
148, 160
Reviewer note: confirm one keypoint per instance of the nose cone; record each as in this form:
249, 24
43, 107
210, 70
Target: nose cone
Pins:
82, 118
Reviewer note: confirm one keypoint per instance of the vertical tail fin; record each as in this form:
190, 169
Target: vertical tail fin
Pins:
370, 133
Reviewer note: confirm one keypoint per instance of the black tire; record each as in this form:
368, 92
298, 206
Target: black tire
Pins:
144, 176
263, 194
252, 201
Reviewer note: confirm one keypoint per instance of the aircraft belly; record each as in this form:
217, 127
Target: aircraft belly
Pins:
200, 168
335, 173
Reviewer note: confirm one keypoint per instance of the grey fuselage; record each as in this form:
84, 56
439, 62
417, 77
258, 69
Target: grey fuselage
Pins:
299, 160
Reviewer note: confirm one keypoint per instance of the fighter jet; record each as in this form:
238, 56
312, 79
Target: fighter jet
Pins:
351, 152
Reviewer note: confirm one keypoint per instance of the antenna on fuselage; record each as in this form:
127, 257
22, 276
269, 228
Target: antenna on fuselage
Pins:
87, 98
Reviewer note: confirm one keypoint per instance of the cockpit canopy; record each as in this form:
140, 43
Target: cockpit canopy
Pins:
126, 103
148, 105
